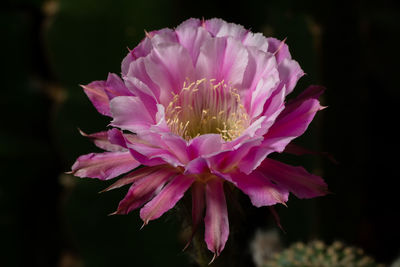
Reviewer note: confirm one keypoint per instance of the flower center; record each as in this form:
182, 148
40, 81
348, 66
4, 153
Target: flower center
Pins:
206, 106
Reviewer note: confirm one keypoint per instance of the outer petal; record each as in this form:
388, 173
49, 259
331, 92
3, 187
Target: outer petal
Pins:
296, 179
198, 205
104, 166
290, 125
279, 48
129, 113
143, 190
100, 139
116, 87
166, 199
133, 176
259, 188
216, 219
96, 94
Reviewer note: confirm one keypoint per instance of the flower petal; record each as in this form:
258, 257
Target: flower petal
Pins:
104, 166
198, 205
296, 179
222, 59
97, 95
204, 145
116, 87
129, 113
133, 176
143, 190
216, 219
169, 65
260, 189
191, 36
290, 124
166, 199
100, 139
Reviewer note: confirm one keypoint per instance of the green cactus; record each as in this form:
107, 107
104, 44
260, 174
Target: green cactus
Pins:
317, 254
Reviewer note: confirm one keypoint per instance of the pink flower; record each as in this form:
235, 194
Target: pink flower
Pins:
200, 106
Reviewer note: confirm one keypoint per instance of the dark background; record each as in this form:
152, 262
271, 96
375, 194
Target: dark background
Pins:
48, 218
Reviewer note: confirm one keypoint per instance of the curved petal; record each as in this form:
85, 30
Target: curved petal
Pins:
116, 87
279, 48
97, 95
260, 80
216, 219
296, 179
167, 198
129, 113
260, 189
104, 166
191, 36
222, 59
291, 123
220, 28
101, 140
169, 65
143, 190
204, 145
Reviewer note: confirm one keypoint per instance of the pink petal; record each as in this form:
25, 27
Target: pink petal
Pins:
198, 205
289, 73
166, 199
143, 190
104, 166
204, 145
221, 28
145, 94
279, 48
260, 79
191, 36
134, 176
216, 219
256, 40
290, 125
137, 71
169, 65
259, 188
228, 160
100, 139
196, 166
177, 146
116, 87
296, 179
129, 113
96, 93
222, 59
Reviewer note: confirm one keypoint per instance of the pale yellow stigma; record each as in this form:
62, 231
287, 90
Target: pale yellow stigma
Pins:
205, 106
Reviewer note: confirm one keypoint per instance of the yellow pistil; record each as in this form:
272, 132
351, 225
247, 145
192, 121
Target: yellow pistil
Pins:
205, 106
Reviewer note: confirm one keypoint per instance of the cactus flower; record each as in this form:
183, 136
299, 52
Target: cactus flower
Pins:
199, 106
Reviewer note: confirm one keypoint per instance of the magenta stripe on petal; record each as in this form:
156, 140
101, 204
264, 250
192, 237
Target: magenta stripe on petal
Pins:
133, 176
167, 198
296, 179
216, 219
143, 190
104, 166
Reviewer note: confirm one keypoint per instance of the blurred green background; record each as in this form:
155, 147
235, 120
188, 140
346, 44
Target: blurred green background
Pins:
48, 218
